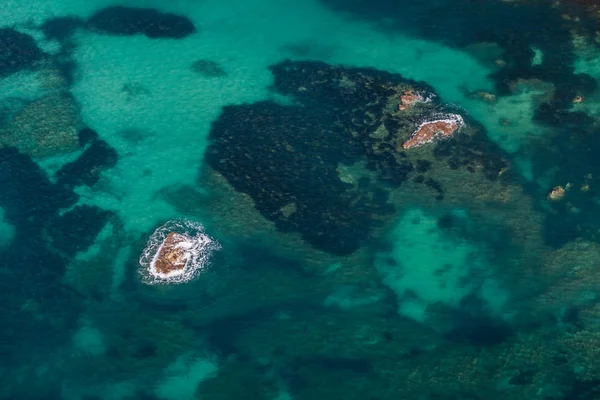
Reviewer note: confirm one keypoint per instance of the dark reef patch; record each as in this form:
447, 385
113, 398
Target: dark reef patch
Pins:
127, 21
584, 390
76, 229
480, 331
208, 69
86, 136
434, 185
87, 168
18, 51
61, 28
28, 198
34, 299
292, 160
302, 149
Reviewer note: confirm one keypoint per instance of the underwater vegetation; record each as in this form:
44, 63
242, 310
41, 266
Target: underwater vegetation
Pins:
286, 157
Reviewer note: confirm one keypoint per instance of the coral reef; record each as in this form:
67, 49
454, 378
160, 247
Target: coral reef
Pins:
409, 98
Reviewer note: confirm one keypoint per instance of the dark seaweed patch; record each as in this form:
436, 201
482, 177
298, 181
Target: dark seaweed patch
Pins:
18, 51
86, 136
437, 187
282, 151
61, 28
33, 272
87, 168
423, 165
27, 196
129, 21
584, 390
76, 229
287, 157
479, 331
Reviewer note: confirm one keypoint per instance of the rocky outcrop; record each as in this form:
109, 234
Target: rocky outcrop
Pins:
408, 98
432, 130
176, 252
557, 193
172, 257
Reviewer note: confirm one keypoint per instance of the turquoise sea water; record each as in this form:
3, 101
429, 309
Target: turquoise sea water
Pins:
331, 257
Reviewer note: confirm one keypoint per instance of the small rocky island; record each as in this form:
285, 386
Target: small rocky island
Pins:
176, 252
172, 258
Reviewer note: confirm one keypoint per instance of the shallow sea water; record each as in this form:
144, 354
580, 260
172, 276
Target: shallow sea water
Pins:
345, 261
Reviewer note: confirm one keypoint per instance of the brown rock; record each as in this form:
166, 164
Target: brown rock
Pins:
171, 257
429, 131
557, 193
409, 97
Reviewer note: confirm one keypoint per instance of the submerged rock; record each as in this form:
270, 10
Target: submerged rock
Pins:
129, 21
17, 51
290, 159
557, 193
208, 69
